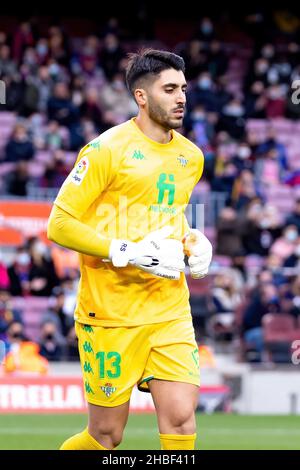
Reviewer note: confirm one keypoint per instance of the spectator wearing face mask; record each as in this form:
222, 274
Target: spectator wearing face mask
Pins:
217, 59
224, 181
286, 245
242, 159
203, 129
42, 50
51, 346
264, 300
226, 295
17, 181
273, 263
18, 273
258, 72
111, 55
255, 101
15, 336
206, 30
270, 144
91, 110
195, 58
293, 261
276, 101
203, 93
57, 314
19, 147
262, 227
61, 109
233, 118
22, 354
226, 298
7, 65
228, 232
294, 217
116, 99
244, 190
42, 274
8, 315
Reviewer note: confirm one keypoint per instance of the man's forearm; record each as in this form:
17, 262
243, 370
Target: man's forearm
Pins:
71, 233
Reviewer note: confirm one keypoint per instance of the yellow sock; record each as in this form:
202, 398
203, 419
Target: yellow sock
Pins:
177, 441
82, 441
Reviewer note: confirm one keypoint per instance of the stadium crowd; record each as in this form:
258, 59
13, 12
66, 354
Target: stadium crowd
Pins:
63, 91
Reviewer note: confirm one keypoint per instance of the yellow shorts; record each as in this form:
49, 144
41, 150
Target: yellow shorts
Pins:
115, 359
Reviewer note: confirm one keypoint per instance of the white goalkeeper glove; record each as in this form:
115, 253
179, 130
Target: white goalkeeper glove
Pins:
155, 254
199, 250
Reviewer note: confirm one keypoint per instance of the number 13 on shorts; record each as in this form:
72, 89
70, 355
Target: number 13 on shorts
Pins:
109, 364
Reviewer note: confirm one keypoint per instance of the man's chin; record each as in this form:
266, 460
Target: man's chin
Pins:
175, 123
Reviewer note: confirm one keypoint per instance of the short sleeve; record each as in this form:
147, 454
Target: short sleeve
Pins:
92, 173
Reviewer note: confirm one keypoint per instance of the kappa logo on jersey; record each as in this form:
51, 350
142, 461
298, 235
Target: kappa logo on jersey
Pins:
138, 155
80, 171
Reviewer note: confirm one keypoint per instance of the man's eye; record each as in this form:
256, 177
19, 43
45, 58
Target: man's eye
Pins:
169, 90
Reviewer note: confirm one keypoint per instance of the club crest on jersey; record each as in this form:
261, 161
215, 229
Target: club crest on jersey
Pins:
108, 389
183, 161
80, 170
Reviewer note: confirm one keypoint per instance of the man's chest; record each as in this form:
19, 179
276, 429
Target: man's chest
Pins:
163, 178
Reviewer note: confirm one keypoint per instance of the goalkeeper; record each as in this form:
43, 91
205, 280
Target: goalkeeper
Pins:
122, 208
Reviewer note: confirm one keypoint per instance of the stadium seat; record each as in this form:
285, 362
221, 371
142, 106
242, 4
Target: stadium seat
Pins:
7, 117
43, 156
32, 309
279, 332
36, 169
222, 261
6, 168
277, 327
200, 301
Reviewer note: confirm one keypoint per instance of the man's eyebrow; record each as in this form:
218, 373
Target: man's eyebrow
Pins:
174, 85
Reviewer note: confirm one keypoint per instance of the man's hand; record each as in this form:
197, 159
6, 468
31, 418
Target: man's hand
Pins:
199, 250
155, 254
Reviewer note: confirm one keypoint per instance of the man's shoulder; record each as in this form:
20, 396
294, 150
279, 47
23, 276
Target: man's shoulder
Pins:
188, 145
112, 137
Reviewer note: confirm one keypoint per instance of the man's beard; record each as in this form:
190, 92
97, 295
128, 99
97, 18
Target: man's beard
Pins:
159, 115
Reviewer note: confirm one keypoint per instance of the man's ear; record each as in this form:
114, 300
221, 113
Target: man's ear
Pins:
140, 96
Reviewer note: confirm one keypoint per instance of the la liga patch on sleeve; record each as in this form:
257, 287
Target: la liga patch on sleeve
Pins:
79, 171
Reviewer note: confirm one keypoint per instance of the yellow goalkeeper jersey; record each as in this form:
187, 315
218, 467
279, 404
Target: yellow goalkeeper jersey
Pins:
125, 185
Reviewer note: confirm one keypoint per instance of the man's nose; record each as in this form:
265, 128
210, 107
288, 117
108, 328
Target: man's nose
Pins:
181, 98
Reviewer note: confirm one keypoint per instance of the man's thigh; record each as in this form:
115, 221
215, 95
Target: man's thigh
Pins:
112, 361
174, 355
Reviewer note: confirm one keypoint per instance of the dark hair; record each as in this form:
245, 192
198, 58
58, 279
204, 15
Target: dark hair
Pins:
150, 62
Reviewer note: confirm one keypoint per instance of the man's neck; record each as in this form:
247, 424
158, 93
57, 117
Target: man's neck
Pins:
152, 130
